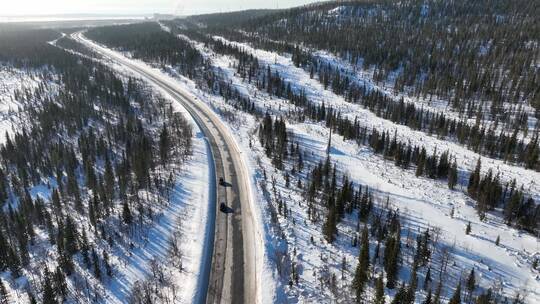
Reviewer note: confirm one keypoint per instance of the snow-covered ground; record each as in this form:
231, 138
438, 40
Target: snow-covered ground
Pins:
423, 203
242, 126
466, 159
363, 77
179, 223
183, 220
14, 80
242, 129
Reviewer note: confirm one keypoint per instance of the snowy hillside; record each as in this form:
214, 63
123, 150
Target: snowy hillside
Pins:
502, 267
423, 204
390, 151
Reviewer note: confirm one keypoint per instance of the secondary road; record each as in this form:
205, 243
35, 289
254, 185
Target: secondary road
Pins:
230, 276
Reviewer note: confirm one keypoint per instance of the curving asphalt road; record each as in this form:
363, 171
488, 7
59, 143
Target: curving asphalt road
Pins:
230, 276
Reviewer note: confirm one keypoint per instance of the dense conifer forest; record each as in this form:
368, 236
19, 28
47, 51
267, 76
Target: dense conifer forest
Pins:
84, 175
148, 41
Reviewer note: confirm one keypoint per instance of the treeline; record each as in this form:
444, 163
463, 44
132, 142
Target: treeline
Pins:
19, 46
505, 145
84, 176
438, 165
524, 211
148, 41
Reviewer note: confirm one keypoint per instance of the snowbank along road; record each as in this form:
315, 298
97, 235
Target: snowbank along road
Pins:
230, 275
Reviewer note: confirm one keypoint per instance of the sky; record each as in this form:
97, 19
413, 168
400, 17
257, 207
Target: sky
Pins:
178, 7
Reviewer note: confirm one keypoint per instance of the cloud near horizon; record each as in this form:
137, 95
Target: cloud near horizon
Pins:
178, 7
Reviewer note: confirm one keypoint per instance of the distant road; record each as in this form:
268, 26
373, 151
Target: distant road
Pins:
230, 276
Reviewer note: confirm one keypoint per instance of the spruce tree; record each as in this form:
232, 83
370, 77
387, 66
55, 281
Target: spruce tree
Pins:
474, 180
485, 297
401, 295
126, 213
428, 300
379, 291
456, 298
108, 267
438, 291
391, 260
49, 297
60, 283
471, 285
70, 237
4, 258
329, 227
468, 228
361, 276
32, 298
164, 145
427, 280
109, 177
452, 176
96, 264
411, 290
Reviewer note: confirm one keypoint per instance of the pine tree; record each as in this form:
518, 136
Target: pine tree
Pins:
126, 213
468, 228
452, 176
456, 298
164, 145
379, 291
95, 262
428, 298
471, 285
437, 297
60, 283
391, 257
361, 276
474, 180
49, 296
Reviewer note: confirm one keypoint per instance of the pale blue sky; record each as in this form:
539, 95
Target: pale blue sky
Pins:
180, 7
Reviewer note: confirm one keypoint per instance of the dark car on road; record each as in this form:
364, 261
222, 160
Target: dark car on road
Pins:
222, 207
